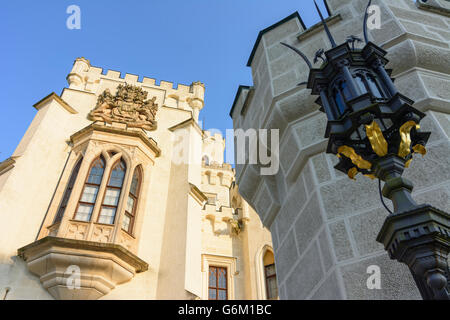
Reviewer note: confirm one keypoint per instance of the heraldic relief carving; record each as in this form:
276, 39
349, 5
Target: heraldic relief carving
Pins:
129, 106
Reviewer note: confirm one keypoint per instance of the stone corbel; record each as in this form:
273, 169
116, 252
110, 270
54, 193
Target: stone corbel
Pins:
213, 178
80, 269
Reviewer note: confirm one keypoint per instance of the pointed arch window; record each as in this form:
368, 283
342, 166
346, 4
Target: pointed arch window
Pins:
112, 193
90, 190
67, 192
130, 209
270, 275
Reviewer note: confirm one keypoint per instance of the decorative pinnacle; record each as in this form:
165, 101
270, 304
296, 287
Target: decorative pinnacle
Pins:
330, 37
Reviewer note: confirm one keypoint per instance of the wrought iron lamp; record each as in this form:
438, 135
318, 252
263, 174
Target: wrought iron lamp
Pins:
375, 131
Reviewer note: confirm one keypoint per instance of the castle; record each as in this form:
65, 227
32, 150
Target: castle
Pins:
115, 192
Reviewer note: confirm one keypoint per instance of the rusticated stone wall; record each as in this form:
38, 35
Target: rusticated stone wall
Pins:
323, 224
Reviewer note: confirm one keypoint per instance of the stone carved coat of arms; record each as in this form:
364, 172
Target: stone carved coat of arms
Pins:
128, 105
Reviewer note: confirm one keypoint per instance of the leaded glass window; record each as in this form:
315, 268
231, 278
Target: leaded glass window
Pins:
112, 193
130, 208
271, 281
217, 284
90, 190
67, 192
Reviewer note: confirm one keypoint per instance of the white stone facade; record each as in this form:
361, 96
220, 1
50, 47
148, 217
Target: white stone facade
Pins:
177, 233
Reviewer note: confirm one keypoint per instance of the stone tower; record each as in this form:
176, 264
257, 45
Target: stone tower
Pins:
323, 224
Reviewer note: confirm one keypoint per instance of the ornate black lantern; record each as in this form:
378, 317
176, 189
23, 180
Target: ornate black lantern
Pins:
375, 131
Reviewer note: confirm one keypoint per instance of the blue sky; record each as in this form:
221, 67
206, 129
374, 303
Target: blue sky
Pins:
177, 41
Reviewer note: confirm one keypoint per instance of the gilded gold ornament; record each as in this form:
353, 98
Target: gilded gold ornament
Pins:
376, 138
352, 173
407, 163
371, 176
405, 144
356, 159
418, 148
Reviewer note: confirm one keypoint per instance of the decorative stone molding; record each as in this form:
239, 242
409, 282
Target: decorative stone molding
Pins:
54, 96
219, 261
128, 105
110, 129
197, 195
77, 230
7, 164
102, 266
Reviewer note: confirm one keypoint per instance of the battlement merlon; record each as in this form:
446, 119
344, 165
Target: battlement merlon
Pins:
86, 77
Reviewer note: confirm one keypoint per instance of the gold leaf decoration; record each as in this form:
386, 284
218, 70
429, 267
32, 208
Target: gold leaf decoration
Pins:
418, 148
407, 163
371, 176
405, 144
352, 173
376, 138
356, 159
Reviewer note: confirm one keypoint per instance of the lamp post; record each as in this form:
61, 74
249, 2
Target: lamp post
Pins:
375, 131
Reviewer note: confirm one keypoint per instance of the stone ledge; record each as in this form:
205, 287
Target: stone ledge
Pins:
152, 144
319, 27
118, 250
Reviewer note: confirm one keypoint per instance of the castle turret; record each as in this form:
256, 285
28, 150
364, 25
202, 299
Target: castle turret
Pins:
76, 77
197, 101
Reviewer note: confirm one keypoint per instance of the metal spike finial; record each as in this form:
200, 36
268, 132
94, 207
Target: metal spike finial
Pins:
352, 40
301, 54
366, 16
319, 55
330, 37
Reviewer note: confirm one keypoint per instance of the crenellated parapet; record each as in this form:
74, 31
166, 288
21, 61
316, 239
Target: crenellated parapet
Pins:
88, 78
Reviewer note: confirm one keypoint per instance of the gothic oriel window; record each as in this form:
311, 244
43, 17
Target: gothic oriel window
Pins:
217, 284
130, 209
112, 193
67, 192
90, 190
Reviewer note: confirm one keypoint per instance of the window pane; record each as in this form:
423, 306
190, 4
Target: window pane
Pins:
134, 183
272, 289
345, 90
117, 175
270, 270
96, 174
222, 295
359, 81
212, 294
84, 212
212, 277
339, 101
130, 204
89, 194
126, 223
374, 87
111, 197
222, 278
107, 215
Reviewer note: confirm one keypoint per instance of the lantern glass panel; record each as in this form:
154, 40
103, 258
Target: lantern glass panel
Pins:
345, 91
360, 83
374, 87
339, 101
